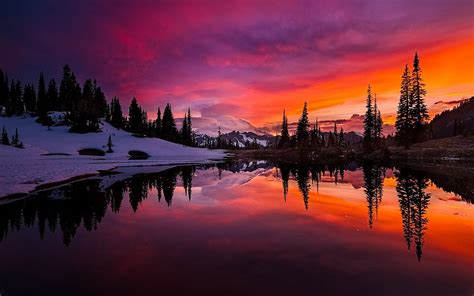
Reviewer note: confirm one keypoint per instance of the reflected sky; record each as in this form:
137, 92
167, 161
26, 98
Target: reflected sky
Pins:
238, 229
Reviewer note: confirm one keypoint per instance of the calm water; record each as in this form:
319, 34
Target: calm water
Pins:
243, 229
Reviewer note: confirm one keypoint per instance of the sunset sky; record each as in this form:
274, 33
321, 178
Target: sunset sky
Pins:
246, 59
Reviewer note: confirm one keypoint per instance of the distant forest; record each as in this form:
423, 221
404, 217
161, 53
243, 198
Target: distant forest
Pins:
412, 123
85, 106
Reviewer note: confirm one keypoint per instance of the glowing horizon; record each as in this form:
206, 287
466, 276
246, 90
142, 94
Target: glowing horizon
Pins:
247, 60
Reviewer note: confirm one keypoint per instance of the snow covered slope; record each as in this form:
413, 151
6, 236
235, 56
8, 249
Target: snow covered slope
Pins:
22, 170
59, 140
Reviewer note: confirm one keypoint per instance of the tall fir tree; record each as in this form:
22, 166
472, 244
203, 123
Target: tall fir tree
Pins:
284, 135
368, 121
116, 114
418, 92
52, 96
29, 97
135, 118
69, 91
302, 130
15, 105
405, 122
158, 123
43, 107
378, 123
168, 125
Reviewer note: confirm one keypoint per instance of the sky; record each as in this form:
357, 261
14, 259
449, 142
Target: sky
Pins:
246, 59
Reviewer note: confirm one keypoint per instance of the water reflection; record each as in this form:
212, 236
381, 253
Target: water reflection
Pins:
86, 202
240, 228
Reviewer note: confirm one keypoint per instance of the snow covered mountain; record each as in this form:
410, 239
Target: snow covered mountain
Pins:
227, 124
240, 139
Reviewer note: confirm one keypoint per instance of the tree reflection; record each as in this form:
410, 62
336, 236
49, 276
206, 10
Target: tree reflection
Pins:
413, 206
85, 203
373, 187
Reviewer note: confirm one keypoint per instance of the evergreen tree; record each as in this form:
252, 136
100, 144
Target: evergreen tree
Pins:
43, 107
99, 105
69, 91
29, 97
378, 123
302, 130
368, 121
418, 91
116, 115
186, 130
168, 125
404, 122
109, 144
341, 140
15, 105
52, 96
158, 123
285, 135
5, 139
135, 118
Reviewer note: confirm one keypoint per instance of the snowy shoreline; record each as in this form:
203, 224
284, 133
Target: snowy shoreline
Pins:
23, 170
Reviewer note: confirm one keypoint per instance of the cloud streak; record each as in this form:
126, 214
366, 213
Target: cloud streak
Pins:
245, 59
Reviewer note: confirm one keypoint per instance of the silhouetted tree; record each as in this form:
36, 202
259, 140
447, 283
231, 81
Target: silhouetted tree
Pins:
368, 121
418, 91
302, 130
29, 98
116, 115
168, 125
53, 96
5, 139
158, 123
404, 122
135, 118
285, 135
43, 104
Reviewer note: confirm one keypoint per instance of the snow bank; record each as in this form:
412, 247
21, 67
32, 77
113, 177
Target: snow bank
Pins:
22, 170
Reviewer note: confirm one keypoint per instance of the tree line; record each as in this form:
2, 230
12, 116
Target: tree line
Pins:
307, 137
85, 106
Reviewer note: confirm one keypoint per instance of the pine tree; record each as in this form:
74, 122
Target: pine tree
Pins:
29, 97
99, 102
302, 130
341, 140
418, 91
378, 123
404, 121
116, 115
52, 96
186, 130
15, 105
285, 135
135, 118
168, 125
368, 121
158, 123
69, 91
109, 144
15, 139
5, 139
43, 107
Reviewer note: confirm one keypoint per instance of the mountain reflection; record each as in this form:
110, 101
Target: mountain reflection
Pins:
86, 202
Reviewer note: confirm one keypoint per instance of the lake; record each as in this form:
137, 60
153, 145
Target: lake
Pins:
243, 229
